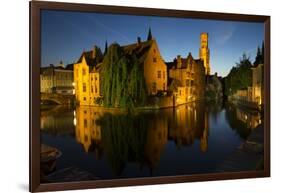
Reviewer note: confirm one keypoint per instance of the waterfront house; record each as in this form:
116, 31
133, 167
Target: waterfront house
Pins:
57, 79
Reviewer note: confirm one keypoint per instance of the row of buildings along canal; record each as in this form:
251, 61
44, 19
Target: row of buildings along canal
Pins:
168, 84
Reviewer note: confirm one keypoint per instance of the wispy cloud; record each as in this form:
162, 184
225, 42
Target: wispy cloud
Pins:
107, 28
224, 33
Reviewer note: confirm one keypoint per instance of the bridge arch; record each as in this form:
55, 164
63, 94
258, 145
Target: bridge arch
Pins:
55, 98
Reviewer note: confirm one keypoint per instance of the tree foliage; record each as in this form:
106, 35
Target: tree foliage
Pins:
125, 139
260, 55
239, 77
122, 79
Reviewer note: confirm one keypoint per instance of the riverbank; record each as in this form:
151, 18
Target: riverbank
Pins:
248, 156
246, 104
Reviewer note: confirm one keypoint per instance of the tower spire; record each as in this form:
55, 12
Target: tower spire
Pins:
149, 36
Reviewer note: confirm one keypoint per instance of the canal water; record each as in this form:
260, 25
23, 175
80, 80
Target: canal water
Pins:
189, 139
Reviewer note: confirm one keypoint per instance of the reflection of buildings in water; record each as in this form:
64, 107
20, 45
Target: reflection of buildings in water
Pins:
214, 110
56, 120
87, 131
188, 123
184, 125
242, 120
157, 137
252, 119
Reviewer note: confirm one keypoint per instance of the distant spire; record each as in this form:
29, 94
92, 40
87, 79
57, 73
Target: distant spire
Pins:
149, 36
105, 47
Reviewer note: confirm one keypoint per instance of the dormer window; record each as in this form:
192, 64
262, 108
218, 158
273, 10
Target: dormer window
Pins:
154, 59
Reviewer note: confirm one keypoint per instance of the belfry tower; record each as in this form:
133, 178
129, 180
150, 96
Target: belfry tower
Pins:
204, 52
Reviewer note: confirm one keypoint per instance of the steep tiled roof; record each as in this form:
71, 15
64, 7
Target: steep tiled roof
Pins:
139, 49
88, 57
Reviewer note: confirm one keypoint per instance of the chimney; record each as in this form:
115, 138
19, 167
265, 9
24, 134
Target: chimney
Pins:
139, 40
179, 61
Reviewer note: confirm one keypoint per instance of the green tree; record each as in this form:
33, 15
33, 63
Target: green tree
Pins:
239, 77
123, 84
259, 57
108, 66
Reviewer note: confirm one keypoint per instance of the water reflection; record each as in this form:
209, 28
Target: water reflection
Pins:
139, 137
242, 120
142, 138
57, 120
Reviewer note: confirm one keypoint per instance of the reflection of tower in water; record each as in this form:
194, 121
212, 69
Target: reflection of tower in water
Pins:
205, 134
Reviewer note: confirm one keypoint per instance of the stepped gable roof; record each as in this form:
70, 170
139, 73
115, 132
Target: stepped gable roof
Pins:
184, 61
139, 49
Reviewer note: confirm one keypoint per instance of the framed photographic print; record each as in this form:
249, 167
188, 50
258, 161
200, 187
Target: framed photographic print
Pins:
123, 96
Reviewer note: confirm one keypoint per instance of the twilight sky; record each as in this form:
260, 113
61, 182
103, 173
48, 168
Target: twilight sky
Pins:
65, 35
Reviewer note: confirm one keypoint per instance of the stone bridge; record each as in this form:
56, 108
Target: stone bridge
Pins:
60, 99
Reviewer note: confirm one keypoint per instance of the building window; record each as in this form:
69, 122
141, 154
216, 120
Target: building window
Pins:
84, 87
154, 59
83, 71
85, 123
96, 89
164, 86
92, 90
96, 78
85, 98
154, 50
159, 74
164, 75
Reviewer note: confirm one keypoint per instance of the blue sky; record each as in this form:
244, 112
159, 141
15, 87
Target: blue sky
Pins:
65, 35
